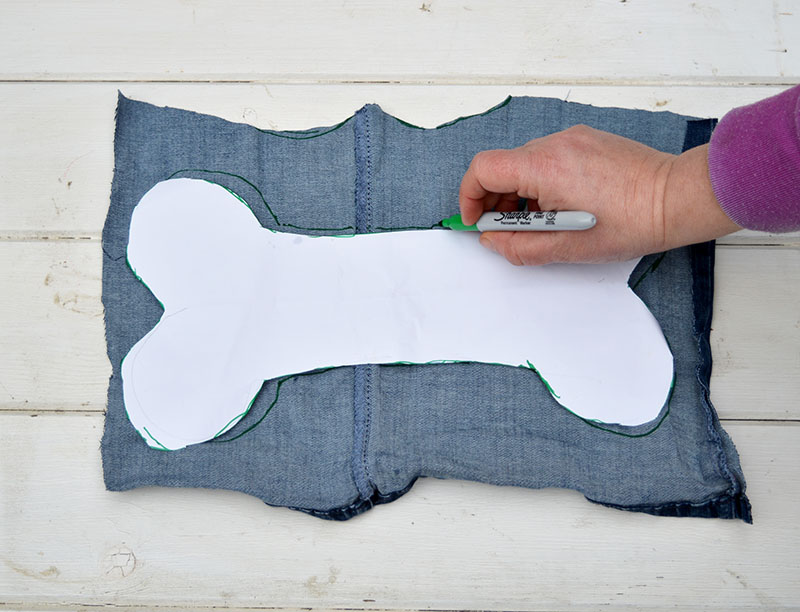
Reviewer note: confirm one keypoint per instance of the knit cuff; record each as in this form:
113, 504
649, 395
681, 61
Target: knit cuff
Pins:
754, 163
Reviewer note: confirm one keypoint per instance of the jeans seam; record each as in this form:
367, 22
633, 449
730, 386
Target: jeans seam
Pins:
702, 285
702, 263
362, 378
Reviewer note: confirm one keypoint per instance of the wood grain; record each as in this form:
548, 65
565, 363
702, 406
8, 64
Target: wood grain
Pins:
444, 545
407, 41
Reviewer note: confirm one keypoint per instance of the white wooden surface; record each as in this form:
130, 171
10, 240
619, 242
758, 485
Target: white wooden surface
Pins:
66, 543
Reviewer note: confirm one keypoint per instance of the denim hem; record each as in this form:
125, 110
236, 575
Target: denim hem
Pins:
724, 507
698, 132
359, 506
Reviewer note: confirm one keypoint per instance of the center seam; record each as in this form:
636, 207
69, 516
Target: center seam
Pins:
363, 374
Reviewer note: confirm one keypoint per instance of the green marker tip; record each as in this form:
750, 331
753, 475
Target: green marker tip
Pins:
455, 223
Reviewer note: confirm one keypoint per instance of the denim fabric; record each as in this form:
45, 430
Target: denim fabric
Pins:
336, 442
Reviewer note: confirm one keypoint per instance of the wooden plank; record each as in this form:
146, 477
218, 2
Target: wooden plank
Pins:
756, 331
406, 41
51, 327
69, 128
54, 348
445, 545
752, 238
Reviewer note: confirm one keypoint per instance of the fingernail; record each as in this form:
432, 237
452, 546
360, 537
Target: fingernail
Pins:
486, 241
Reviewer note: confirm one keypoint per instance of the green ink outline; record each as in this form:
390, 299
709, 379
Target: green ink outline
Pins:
306, 135
261, 195
141, 280
651, 268
406, 228
153, 438
544, 380
596, 424
456, 120
280, 223
236, 419
315, 133
278, 386
590, 422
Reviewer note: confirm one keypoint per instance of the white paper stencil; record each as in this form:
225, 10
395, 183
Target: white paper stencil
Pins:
243, 304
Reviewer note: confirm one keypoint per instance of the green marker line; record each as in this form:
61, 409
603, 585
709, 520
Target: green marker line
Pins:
406, 228
236, 418
260, 195
232, 192
161, 446
596, 424
323, 229
651, 268
231, 174
278, 386
303, 134
544, 380
457, 119
141, 280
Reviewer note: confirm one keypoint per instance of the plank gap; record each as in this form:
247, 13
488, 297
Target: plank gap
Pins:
53, 236
34, 411
443, 79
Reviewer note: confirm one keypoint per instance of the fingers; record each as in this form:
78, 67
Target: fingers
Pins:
622, 182
538, 248
496, 180
492, 179
507, 202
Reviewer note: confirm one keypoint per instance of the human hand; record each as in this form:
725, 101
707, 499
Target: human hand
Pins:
645, 201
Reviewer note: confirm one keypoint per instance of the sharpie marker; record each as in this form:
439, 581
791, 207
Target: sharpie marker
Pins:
524, 221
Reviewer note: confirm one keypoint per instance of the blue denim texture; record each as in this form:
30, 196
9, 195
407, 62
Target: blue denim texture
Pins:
336, 442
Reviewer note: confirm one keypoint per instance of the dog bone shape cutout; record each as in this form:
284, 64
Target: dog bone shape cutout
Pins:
244, 304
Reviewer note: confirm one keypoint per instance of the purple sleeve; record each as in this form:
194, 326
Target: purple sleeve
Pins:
754, 163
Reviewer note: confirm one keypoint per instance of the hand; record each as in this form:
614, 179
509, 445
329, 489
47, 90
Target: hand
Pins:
645, 201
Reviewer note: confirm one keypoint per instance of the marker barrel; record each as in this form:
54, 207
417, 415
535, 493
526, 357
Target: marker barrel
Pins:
536, 221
